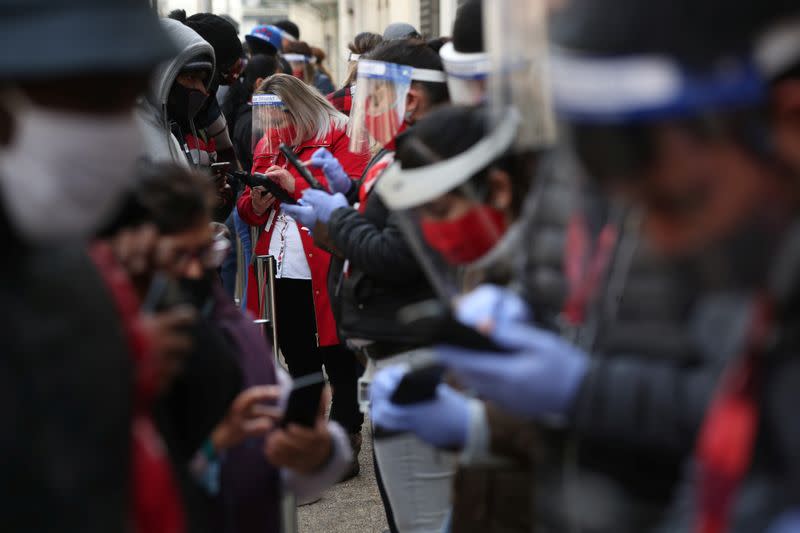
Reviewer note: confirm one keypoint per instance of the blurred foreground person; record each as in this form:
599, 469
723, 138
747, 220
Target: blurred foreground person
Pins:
714, 191
289, 112
235, 458
71, 380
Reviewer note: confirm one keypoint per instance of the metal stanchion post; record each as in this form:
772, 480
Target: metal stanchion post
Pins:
241, 274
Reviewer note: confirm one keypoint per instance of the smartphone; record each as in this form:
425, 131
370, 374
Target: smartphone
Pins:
418, 384
303, 404
293, 160
259, 180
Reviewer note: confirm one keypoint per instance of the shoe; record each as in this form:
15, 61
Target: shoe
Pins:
355, 466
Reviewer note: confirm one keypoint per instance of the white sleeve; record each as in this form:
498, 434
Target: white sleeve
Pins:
308, 486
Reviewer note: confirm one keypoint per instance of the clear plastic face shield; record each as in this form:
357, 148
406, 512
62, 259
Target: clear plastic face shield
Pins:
272, 125
452, 222
379, 103
467, 75
517, 46
298, 63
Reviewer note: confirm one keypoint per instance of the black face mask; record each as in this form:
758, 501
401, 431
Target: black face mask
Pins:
184, 104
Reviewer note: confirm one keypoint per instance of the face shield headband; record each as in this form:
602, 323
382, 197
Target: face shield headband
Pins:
466, 74
407, 189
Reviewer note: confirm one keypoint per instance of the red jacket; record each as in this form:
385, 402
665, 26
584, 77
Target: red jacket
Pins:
318, 260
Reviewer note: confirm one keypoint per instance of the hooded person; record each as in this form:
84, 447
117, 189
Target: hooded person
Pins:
169, 108
69, 365
170, 113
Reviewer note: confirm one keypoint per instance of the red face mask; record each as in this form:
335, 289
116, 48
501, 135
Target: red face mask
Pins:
281, 135
383, 126
465, 239
298, 73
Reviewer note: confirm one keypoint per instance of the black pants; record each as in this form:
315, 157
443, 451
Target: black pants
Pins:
296, 323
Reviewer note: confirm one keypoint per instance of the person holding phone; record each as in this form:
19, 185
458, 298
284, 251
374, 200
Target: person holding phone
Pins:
287, 111
225, 437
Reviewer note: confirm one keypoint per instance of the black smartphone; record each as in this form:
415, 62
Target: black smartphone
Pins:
434, 321
259, 180
418, 384
303, 404
293, 160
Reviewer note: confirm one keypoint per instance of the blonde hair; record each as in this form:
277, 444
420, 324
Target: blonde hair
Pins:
313, 116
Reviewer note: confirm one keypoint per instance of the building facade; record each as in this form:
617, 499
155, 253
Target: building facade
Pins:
328, 24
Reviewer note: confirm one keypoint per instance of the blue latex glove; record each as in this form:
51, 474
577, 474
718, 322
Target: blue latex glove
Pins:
490, 305
324, 204
788, 522
442, 422
539, 380
302, 213
338, 180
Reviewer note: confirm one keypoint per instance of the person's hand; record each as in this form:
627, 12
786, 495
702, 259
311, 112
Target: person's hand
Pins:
282, 177
171, 340
324, 204
261, 200
304, 450
338, 180
539, 379
135, 248
247, 417
301, 212
442, 422
488, 306
787, 522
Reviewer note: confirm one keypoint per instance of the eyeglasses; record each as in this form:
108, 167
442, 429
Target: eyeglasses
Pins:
210, 256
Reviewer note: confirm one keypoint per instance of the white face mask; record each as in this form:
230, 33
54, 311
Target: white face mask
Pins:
65, 172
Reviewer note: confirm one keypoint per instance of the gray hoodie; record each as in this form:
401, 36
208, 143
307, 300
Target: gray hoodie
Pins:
159, 144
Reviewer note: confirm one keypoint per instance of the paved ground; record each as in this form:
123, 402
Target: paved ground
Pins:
351, 507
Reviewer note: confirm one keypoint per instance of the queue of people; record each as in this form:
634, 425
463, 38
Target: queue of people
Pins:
549, 264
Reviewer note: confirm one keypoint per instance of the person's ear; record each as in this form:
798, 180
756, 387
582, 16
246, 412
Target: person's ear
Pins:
416, 103
259, 81
786, 121
6, 126
501, 191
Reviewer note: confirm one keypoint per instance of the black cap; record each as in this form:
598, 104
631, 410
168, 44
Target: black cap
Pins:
221, 35
289, 27
468, 28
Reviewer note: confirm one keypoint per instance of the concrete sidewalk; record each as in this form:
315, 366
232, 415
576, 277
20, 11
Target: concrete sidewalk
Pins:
351, 507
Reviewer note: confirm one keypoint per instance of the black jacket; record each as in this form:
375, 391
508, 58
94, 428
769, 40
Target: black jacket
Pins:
383, 276
65, 393
634, 421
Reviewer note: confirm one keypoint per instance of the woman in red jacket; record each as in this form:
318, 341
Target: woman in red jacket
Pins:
285, 110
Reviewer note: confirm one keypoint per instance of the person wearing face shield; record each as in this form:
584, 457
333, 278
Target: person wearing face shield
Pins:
459, 188
361, 45
288, 112
66, 117
373, 272
704, 207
